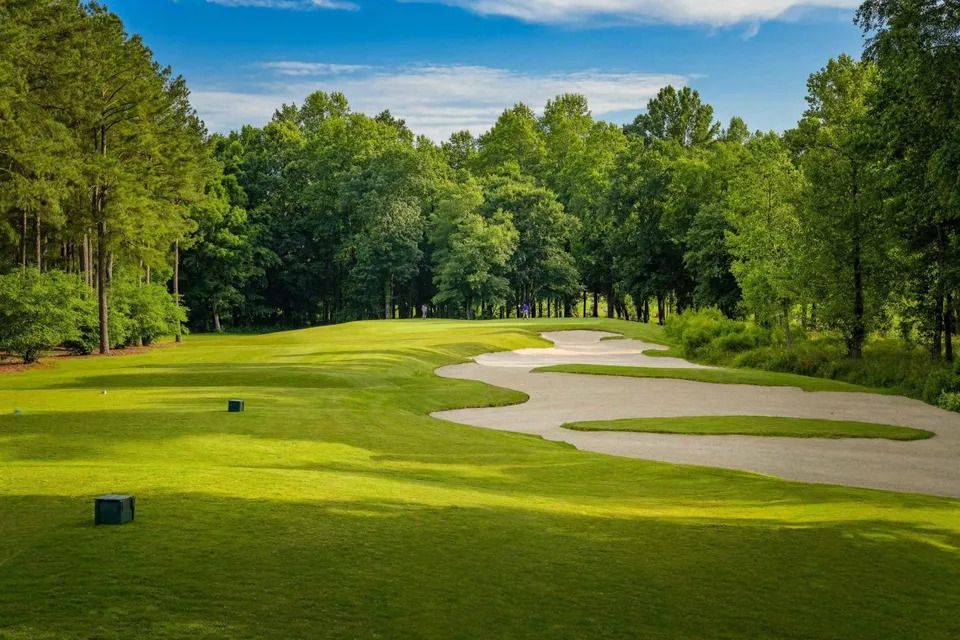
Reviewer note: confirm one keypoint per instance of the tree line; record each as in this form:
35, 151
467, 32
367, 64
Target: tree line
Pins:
845, 223
101, 157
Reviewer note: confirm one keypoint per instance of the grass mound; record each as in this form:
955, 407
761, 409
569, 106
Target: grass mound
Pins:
755, 426
716, 376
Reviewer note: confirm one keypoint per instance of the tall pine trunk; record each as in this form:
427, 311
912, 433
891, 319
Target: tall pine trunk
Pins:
176, 285
858, 332
786, 325
23, 239
936, 349
940, 310
387, 300
948, 328
99, 213
87, 260
38, 247
102, 284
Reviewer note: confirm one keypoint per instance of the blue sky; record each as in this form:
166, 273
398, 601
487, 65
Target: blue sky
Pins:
445, 65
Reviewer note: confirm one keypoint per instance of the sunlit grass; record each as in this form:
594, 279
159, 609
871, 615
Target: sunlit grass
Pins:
756, 426
335, 507
715, 376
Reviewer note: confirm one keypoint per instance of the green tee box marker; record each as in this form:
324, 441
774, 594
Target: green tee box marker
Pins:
113, 509
234, 406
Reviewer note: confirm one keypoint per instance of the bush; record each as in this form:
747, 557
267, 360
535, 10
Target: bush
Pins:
150, 311
39, 311
88, 329
748, 337
949, 400
939, 382
87, 338
805, 358
709, 335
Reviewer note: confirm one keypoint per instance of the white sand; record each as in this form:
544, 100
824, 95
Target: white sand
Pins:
925, 466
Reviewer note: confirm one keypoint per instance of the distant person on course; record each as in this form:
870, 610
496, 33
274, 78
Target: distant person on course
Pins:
423, 310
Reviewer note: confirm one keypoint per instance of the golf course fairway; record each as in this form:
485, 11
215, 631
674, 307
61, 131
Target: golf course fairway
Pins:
335, 507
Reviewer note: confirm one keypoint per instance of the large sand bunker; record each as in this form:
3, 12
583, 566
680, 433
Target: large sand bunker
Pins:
925, 466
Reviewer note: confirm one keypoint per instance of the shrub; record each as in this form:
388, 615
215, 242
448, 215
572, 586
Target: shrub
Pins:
87, 337
39, 311
88, 328
708, 334
151, 312
749, 337
892, 363
938, 382
949, 400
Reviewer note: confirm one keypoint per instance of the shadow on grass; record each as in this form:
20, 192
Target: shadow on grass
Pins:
218, 375
333, 369
391, 448
201, 566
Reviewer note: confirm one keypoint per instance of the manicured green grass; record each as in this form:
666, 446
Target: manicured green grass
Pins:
756, 426
335, 507
716, 376
670, 352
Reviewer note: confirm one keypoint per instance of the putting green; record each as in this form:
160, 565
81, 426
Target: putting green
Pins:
755, 426
333, 506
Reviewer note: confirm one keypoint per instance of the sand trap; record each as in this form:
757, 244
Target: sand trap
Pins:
926, 466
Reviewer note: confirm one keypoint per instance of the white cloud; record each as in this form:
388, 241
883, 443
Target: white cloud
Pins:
715, 13
435, 100
289, 4
297, 68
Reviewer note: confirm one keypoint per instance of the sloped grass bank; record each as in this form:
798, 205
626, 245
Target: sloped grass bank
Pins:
335, 507
715, 376
755, 426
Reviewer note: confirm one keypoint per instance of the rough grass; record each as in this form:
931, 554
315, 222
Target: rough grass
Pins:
756, 426
335, 507
716, 376
706, 336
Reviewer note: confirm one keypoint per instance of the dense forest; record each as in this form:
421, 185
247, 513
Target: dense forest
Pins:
119, 211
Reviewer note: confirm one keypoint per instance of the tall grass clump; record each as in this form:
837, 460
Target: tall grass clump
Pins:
708, 335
